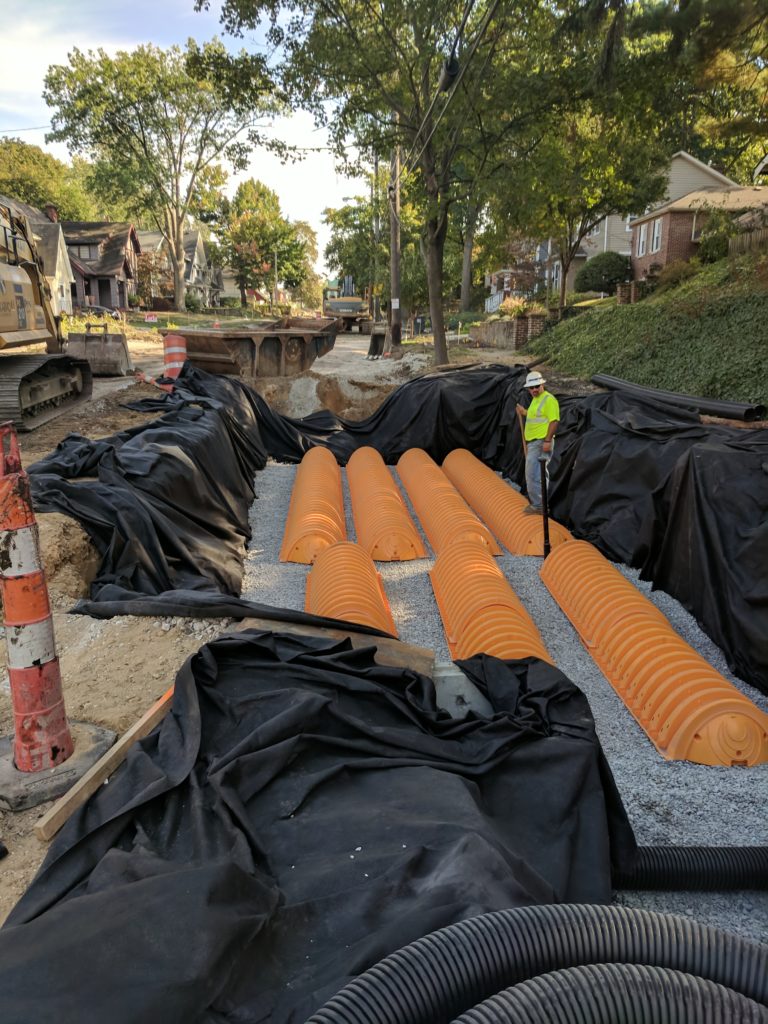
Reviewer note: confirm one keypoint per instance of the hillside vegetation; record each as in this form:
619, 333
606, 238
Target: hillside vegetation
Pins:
706, 336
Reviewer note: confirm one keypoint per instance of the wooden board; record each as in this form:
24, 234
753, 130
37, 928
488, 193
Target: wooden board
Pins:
54, 818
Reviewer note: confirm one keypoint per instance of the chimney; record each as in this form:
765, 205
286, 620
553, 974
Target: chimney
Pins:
51, 212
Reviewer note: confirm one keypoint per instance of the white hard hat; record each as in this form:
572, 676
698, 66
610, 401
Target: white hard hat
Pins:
534, 379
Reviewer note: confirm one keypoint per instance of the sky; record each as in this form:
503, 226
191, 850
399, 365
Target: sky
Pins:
38, 33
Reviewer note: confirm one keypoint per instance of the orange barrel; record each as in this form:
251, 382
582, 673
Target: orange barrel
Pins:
315, 517
382, 522
41, 732
688, 709
480, 611
174, 354
443, 513
499, 505
343, 584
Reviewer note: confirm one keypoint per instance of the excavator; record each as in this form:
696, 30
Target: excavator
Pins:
36, 388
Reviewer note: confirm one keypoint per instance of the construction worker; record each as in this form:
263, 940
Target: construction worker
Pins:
541, 421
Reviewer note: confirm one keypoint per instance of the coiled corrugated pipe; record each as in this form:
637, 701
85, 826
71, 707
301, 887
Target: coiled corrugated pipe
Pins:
696, 868
607, 993
448, 972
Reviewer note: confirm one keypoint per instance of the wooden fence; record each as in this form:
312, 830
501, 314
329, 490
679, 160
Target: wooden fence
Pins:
748, 241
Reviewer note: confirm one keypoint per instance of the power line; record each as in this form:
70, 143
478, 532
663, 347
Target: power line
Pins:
36, 128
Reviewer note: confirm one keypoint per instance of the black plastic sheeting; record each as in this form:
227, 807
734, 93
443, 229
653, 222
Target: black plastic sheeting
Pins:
646, 482
712, 406
299, 814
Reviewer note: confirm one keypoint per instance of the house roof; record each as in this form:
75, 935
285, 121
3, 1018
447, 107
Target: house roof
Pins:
113, 240
48, 238
33, 215
705, 167
150, 239
731, 199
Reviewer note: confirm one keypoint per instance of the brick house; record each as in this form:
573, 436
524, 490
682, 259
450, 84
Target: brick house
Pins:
673, 231
613, 233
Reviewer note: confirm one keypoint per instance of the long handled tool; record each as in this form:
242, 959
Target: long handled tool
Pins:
544, 504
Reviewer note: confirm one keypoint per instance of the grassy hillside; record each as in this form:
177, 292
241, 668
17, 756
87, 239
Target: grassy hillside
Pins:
707, 336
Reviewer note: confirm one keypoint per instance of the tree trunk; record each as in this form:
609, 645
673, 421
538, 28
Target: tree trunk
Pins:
243, 296
178, 271
564, 267
435, 242
466, 264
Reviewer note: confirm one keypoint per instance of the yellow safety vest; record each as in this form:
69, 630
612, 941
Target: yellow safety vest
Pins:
542, 410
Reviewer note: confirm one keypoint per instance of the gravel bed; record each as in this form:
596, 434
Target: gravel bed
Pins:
667, 802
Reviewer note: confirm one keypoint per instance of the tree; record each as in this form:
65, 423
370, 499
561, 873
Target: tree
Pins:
588, 165
253, 233
372, 74
155, 120
308, 292
602, 273
32, 176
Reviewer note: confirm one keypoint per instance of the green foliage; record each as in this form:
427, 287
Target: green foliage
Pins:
602, 273
32, 176
158, 123
674, 274
193, 303
714, 236
708, 336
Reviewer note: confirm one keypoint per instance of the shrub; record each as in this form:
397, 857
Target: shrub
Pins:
193, 303
674, 274
602, 273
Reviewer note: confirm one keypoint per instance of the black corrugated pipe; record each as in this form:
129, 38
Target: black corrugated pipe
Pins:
710, 406
442, 975
696, 868
607, 993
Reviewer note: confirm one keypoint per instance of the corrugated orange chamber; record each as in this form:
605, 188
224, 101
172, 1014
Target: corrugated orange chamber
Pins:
480, 611
343, 584
443, 513
688, 709
500, 506
315, 517
382, 523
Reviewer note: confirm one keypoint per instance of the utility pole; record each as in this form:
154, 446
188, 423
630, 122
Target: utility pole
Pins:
394, 247
376, 237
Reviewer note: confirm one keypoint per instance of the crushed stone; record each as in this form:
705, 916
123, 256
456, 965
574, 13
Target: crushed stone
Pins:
668, 802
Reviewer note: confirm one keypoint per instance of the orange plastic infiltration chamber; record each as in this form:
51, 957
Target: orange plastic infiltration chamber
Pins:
500, 506
382, 522
687, 708
443, 513
480, 611
315, 517
343, 584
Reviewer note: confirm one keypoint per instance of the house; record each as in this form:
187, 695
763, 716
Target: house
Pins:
201, 279
673, 231
614, 233
104, 258
51, 249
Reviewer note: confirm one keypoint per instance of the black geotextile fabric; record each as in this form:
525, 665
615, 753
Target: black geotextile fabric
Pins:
299, 814
647, 483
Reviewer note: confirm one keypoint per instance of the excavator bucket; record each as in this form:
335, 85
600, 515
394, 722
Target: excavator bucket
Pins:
107, 354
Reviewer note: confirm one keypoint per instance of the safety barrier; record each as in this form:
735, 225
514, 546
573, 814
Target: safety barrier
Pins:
315, 517
442, 511
382, 523
174, 354
41, 733
500, 506
343, 584
688, 709
479, 609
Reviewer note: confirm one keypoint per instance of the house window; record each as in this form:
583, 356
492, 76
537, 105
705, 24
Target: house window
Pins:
83, 252
594, 230
61, 291
628, 223
556, 275
642, 239
656, 235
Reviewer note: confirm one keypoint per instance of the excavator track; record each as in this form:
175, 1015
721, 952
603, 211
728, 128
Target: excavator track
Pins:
35, 389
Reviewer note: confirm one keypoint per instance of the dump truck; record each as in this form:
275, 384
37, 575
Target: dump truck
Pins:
276, 348
34, 388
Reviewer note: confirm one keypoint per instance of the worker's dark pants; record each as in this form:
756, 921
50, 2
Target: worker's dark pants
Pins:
533, 470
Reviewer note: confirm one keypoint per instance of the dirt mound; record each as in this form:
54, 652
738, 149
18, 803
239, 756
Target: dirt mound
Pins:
69, 557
